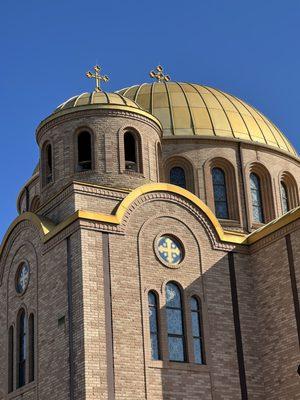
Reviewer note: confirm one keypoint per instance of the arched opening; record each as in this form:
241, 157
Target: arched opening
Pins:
196, 320
256, 198
220, 193
154, 325
31, 352
35, 204
284, 198
131, 148
84, 149
11, 359
175, 323
48, 164
22, 341
178, 177
288, 192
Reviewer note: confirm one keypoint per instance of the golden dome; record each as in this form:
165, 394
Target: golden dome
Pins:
96, 98
186, 109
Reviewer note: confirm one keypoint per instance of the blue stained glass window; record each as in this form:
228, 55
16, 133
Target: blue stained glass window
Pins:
284, 198
177, 177
22, 351
176, 340
153, 322
257, 207
220, 195
196, 330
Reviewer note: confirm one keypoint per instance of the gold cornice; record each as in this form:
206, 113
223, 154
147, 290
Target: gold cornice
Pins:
116, 107
49, 230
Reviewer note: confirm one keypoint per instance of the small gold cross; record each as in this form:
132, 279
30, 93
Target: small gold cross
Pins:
159, 75
97, 77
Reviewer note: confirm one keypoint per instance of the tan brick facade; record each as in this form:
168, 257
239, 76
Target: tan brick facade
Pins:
90, 274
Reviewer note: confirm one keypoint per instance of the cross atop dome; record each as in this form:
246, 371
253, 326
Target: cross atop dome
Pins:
159, 75
96, 75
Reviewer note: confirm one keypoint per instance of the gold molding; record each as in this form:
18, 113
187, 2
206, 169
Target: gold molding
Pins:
49, 230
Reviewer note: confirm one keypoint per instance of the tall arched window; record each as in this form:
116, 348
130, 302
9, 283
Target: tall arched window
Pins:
196, 330
84, 148
48, 169
11, 359
153, 322
31, 353
257, 206
175, 328
284, 198
177, 177
22, 341
131, 152
220, 194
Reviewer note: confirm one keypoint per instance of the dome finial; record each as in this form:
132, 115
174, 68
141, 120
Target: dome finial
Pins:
159, 75
97, 77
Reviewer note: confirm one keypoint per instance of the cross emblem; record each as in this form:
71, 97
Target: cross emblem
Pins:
169, 251
159, 75
96, 75
23, 278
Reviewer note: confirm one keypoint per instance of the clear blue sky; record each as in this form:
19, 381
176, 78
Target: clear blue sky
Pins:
248, 48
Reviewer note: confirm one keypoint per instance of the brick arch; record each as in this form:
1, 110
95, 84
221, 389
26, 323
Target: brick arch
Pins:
292, 188
267, 193
186, 165
139, 149
78, 131
35, 203
234, 208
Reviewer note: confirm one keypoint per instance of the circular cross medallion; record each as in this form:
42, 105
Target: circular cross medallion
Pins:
22, 278
170, 250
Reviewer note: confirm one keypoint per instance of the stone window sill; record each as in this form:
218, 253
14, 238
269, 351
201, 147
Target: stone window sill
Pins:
192, 367
22, 390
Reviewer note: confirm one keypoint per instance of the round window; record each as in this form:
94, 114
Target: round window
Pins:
22, 278
170, 250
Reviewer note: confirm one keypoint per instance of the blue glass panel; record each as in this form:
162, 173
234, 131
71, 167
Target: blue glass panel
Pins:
173, 296
194, 304
152, 319
152, 299
219, 193
154, 347
174, 321
195, 324
177, 177
221, 210
198, 351
218, 176
176, 349
254, 182
284, 198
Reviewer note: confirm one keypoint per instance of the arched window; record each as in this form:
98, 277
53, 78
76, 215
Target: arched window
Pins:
257, 206
31, 353
196, 330
175, 328
84, 148
153, 322
177, 177
48, 169
131, 152
284, 198
220, 195
22, 339
11, 359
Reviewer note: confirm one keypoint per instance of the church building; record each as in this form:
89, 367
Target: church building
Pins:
156, 254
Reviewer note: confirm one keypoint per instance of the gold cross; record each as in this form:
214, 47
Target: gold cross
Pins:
169, 251
159, 75
97, 77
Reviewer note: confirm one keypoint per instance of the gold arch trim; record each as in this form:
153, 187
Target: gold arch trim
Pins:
48, 230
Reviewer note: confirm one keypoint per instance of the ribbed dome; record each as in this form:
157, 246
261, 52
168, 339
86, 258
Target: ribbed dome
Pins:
186, 109
96, 98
